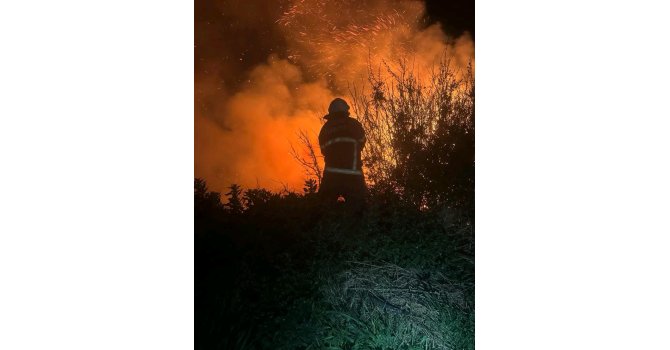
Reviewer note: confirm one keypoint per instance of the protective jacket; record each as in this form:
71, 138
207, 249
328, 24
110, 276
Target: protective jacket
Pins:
341, 141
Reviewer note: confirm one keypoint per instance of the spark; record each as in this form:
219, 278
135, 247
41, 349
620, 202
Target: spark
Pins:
328, 33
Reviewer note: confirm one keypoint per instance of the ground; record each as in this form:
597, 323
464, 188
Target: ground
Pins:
288, 274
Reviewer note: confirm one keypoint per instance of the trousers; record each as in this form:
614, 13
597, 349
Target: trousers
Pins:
351, 187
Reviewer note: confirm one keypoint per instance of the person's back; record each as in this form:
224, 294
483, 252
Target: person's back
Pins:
342, 139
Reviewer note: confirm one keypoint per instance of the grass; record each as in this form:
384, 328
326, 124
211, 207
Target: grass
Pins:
287, 276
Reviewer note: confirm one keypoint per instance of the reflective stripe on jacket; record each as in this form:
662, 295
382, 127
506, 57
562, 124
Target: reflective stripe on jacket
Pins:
341, 141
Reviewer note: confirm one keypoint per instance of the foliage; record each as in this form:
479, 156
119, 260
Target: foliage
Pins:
234, 199
308, 160
206, 202
420, 134
310, 186
258, 197
286, 274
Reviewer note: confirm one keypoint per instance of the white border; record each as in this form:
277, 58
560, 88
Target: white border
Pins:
572, 175
96, 143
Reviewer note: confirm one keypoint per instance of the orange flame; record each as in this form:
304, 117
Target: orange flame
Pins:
245, 138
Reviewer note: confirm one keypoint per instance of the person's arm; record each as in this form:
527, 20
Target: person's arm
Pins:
321, 141
361, 136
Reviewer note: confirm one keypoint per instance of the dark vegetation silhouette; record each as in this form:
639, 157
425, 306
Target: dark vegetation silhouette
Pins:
275, 270
421, 140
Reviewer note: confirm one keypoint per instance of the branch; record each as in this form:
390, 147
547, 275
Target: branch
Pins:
309, 161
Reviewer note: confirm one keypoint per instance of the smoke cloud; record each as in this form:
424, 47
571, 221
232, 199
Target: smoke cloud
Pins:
246, 122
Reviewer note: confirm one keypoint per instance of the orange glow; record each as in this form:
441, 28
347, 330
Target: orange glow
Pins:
245, 137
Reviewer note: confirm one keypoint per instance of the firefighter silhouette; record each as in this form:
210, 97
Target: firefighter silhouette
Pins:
341, 140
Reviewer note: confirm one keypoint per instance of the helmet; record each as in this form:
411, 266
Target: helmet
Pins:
338, 105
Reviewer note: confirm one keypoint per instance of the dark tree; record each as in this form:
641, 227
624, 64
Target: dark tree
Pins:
234, 204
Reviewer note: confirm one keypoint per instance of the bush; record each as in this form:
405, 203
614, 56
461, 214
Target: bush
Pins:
399, 278
420, 134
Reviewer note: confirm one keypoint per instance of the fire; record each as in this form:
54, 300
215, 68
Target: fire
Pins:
246, 137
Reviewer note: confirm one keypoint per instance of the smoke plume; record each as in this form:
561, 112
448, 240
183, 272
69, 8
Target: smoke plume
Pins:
315, 50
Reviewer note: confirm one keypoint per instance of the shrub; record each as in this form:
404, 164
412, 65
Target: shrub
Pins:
234, 199
420, 134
